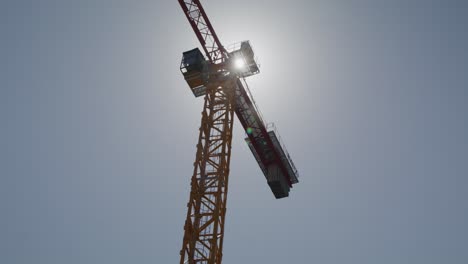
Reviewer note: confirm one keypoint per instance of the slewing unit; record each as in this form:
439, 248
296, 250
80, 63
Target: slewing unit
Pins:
197, 70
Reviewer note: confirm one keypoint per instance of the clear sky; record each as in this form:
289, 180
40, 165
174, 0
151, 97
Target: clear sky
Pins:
98, 131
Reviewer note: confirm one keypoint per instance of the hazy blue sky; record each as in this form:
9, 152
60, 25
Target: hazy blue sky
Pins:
98, 131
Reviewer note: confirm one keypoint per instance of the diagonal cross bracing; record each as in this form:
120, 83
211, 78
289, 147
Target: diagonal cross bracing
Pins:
204, 226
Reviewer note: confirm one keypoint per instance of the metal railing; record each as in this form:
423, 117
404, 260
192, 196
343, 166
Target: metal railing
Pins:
249, 94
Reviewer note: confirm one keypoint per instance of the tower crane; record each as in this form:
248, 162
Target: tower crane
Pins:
220, 78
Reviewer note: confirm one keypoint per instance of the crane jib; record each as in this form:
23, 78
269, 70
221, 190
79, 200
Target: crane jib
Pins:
202, 27
265, 145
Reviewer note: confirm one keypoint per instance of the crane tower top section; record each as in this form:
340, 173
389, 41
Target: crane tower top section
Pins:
198, 71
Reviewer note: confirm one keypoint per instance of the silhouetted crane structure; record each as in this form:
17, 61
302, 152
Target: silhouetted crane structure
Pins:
220, 78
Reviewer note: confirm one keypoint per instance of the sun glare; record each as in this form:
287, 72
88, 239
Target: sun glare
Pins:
239, 63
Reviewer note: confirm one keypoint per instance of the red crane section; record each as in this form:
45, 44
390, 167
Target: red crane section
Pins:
265, 145
264, 142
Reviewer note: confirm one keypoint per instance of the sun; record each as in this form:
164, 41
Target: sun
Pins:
239, 63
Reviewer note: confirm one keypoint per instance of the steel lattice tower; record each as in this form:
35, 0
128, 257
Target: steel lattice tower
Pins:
204, 226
